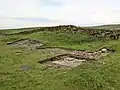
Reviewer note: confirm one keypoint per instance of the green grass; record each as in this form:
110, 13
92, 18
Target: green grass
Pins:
10, 31
109, 27
103, 74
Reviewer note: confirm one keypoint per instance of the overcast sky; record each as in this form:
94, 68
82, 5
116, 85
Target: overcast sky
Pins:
25, 13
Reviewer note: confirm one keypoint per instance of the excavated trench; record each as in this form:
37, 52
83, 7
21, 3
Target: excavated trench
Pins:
75, 58
27, 43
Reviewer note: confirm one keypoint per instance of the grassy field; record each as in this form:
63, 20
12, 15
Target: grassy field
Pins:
110, 27
102, 74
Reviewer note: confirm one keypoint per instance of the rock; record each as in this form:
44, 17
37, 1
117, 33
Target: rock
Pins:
25, 67
104, 50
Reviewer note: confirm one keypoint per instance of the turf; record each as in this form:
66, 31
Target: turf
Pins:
103, 74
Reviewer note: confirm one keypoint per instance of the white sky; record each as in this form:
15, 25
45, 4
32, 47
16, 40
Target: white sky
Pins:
24, 13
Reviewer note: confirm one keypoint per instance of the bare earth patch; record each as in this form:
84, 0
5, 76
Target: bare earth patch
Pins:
27, 43
55, 51
74, 58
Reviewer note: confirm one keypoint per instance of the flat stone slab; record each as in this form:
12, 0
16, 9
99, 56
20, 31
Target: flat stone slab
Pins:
70, 62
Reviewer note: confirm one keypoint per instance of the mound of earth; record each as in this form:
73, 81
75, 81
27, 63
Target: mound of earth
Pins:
74, 58
27, 43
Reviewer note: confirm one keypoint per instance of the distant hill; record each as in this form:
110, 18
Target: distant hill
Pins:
110, 27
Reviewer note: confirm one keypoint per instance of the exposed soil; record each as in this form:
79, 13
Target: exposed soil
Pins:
74, 58
55, 51
27, 43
